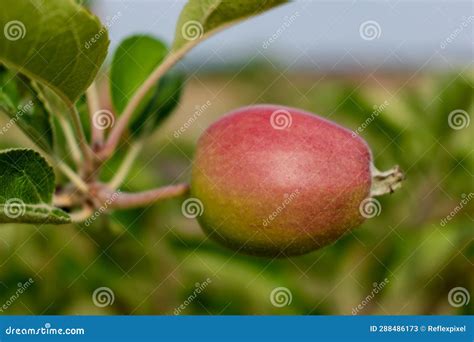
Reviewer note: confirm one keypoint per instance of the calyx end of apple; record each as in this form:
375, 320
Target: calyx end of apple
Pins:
385, 182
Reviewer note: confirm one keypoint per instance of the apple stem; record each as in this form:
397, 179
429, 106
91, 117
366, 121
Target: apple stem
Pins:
123, 200
385, 182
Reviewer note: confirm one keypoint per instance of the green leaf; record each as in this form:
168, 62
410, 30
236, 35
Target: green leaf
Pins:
133, 62
164, 100
26, 189
201, 18
52, 102
20, 102
57, 107
56, 42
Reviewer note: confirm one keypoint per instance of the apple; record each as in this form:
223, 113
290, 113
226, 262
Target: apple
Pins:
276, 181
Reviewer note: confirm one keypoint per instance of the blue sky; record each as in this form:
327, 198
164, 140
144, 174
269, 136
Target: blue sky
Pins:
322, 35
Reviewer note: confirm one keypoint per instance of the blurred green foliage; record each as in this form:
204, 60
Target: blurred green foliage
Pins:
152, 258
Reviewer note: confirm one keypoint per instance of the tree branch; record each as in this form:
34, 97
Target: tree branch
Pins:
70, 140
93, 102
73, 177
126, 165
121, 125
86, 151
81, 215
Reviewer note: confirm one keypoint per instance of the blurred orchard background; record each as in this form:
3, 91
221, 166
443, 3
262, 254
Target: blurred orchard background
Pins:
398, 72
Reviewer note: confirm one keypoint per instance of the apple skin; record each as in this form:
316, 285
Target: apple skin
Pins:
277, 189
